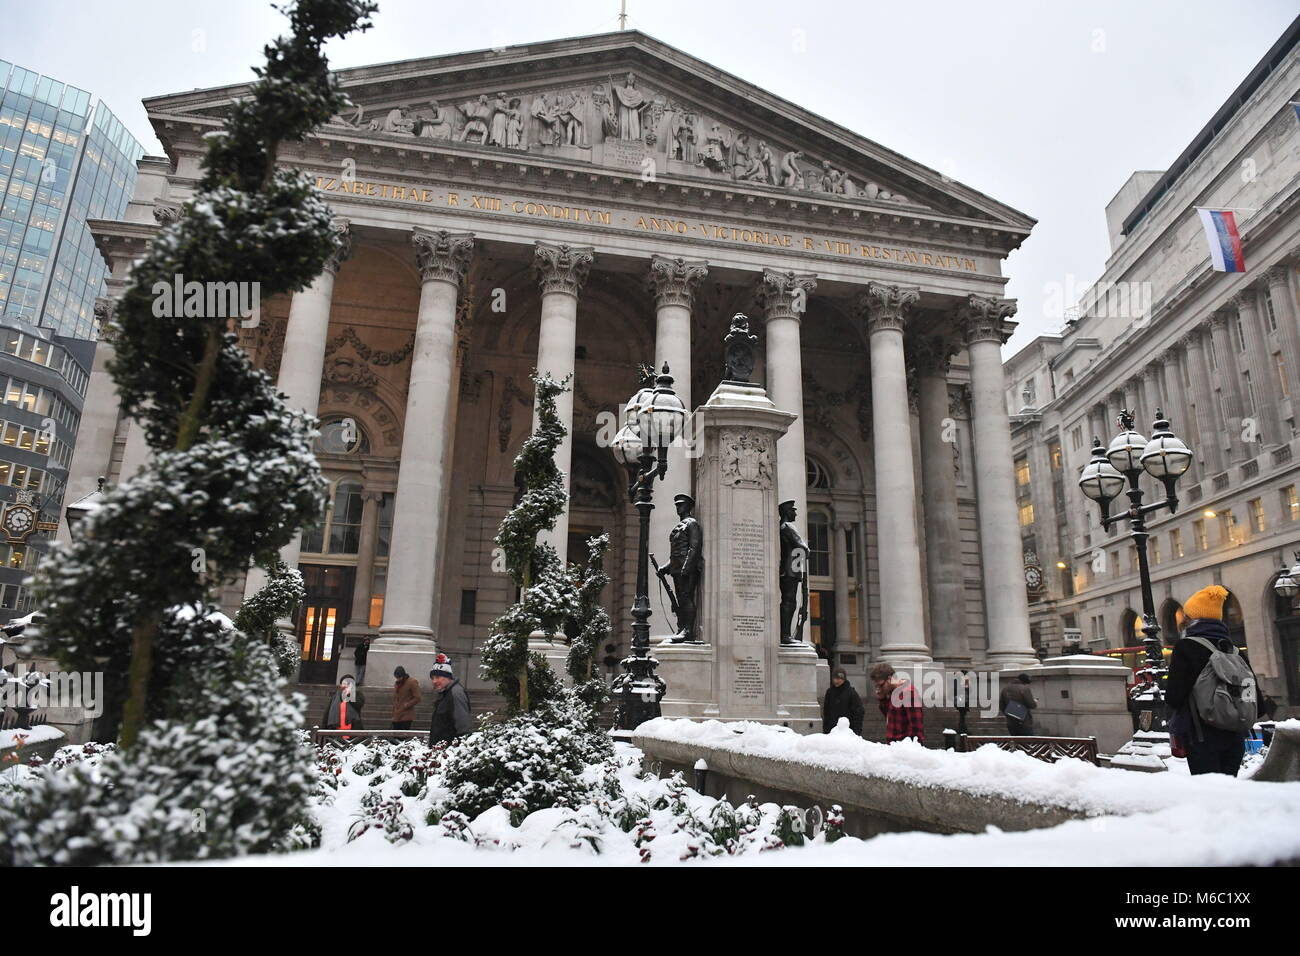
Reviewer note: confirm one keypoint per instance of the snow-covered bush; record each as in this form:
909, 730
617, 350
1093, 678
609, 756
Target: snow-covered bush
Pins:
277, 599
534, 760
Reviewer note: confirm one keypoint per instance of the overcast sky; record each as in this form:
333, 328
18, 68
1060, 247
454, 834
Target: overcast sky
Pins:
1045, 106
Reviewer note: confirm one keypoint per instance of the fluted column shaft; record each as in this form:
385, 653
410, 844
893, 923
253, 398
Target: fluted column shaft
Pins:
360, 616
840, 568
1263, 375
1174, 394
949, 641
783, 297
1006, 604
424, 471
1209, 423
902, 615
673, 282
1225, 355
1288, 329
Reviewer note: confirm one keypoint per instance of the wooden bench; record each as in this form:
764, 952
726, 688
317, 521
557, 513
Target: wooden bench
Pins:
1049, 749
319, 736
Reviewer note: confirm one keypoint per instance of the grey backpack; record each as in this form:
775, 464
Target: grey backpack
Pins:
1224, 695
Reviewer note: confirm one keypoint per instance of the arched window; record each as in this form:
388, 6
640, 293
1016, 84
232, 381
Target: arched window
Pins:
339, 531
340, 435
818, 477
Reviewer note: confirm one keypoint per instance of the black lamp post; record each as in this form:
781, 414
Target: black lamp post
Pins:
81, 509
1164, 457
1287, 584
655, 420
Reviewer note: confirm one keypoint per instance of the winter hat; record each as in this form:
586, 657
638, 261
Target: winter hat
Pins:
441, 666
841, 673
399, 672
1206, 604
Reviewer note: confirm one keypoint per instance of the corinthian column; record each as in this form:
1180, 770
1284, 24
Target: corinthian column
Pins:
948, 639
1288, 329
407, 635
902, 613
1225, 356
302, 364
1006, 606
1209, 423
783, 297
1263, 376
365, 561
673, 282
561, 272
1175, 407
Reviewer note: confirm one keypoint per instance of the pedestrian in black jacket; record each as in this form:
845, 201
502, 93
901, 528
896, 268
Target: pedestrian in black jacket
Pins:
451, 709
842, 701
1209, 749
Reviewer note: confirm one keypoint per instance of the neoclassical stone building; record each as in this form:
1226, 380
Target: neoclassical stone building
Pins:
582, 206
1219, 353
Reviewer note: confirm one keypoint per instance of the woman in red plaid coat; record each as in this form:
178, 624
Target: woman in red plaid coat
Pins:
900, 702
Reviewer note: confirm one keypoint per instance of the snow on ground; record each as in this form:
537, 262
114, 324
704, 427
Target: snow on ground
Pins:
1144, 819
38, 734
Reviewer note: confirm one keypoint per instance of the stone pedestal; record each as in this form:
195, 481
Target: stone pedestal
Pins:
1080, 696
740, 672
416, 654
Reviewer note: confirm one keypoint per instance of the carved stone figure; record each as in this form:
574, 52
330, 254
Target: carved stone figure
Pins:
439, 123
549, 115
686, 564
791, 173
500, 117
608, 117
832, 179
793, 575
631, 104
738, 156
766, 164
570, 115
477, 115
515, 125
681, 137
397, 122
739, 350
714, 156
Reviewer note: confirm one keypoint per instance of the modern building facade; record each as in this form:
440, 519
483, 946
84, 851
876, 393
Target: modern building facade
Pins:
1219, 353
582, 206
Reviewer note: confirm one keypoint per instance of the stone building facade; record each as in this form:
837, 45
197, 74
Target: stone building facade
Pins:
1219, 353
583, 206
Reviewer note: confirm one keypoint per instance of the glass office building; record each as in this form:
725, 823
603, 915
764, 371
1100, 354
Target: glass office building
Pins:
63, 160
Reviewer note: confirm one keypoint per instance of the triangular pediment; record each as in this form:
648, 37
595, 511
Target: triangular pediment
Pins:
625, 101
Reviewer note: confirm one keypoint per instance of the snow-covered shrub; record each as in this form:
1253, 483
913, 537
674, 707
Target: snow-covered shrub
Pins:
835, 824
277, 599
385, 815
534, 760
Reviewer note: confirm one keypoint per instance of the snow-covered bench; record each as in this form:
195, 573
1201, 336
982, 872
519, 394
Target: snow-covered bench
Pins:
1049, 749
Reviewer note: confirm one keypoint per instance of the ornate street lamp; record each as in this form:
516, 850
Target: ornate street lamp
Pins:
1124, 461
81, 509
655, 419
1287, 584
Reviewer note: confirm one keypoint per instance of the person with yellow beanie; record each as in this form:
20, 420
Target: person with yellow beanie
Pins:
1209, 749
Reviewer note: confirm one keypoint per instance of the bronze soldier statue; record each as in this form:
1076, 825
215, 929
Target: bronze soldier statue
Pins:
794, 575
685, 564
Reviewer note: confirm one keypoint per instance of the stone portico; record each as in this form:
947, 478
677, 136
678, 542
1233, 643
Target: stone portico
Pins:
617, 204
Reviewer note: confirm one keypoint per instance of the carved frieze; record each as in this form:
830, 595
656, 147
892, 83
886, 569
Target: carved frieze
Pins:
747, 457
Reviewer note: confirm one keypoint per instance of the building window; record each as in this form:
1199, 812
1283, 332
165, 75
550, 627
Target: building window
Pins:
816, 474
377, 587
1055, 454
1290, 503
339, 531
1228, 531
1076, 438
1250, 391
468, 606
385, 535
1022, 473
1256, 506
1026, 513
1155, 550
1133, 558
1269, 314
1241, 335
819, 545
1281, 374
1114, 561
1176, 542
1198, 532
342, 436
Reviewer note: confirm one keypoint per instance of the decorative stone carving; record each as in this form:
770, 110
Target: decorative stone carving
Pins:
932, 354
631, 103
478, 117
105, 308
746, 458
985, 318
1278, 275
791, 175
342, 230
681, 136
442, 255
371, 356
784, 295
562, 268
344, 370
1245, 299
885, 306
439, 124
166, 213
673, 280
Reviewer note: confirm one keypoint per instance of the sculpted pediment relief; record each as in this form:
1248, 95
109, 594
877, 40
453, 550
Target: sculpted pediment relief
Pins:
623, 121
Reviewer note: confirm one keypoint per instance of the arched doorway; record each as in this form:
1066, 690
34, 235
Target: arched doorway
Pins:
1169, 620
1235, 621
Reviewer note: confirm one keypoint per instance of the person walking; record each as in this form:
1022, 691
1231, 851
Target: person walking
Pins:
900, 702
1211, 691
842, 701
406, 697
451, 711
343, 709
359, 658
1016, 702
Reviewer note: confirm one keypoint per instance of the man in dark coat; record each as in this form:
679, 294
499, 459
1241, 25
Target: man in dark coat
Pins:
406, 697
1209, 749
842, 701
1020, 699
451, 713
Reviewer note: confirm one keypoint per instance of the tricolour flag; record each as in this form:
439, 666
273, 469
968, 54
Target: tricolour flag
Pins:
1224, 240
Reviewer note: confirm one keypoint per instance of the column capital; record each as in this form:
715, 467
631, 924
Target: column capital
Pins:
442, 255
1245, 299
371, 494
784, 295
986, 318
1170, 355
1152, 369
562, 267
1278, 274
105, 309
932, 354
1218, 319
342, 230
1191, 340
885, 306
673, 279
